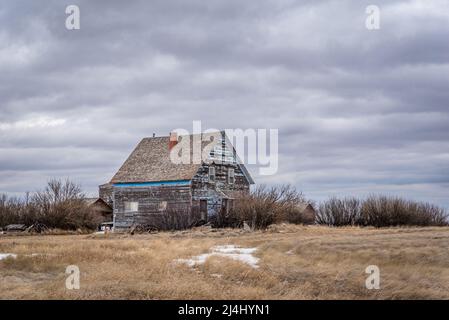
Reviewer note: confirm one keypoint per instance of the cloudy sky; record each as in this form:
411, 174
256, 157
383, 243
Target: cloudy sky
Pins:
358, 111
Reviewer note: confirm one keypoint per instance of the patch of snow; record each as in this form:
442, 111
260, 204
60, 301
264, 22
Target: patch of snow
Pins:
231, 249
13, 255
7, 255
244, 255
195, 260
34, 254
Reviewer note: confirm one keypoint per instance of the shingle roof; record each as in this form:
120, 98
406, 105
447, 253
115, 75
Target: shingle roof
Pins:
150, 161
92, 201
304, 205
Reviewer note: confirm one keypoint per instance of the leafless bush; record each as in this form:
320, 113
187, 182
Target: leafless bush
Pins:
177, 218
174, 218
383, 211
60, 205
265, 205
14, 210
339, 212
380, 211
8, 210
227, 219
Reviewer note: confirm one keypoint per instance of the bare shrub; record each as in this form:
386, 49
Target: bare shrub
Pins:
227, 219
60, 205
8, 210
339, 212
264, 206
173, 218
176, 219
14, 210
380, 211
383, 211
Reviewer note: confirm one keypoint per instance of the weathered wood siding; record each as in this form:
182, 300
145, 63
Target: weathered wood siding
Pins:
185, 198
149, 199
203, 189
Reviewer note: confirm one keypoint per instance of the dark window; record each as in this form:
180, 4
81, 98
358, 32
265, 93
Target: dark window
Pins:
203, 209
230, 204
211, 174
231, 176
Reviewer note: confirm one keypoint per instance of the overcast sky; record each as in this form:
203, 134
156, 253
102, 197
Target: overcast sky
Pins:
358, 111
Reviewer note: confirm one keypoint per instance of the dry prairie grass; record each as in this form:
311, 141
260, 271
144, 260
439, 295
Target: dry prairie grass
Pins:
296, 262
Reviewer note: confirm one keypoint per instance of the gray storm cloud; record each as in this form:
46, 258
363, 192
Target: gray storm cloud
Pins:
358, 111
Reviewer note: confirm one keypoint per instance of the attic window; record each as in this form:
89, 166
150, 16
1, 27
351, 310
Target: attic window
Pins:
211, 174
231, 176
131, 206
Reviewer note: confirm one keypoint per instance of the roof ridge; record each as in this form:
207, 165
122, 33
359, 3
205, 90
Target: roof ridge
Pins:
150, 161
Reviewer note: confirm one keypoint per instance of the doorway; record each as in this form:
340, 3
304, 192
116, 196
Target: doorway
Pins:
203, 210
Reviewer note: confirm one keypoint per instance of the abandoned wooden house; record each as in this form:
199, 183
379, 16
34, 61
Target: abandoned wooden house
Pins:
100, 208
149, 184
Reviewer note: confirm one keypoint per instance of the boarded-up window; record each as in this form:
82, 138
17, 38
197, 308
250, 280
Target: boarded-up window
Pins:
231, 176
131, 206
163, 206
211, 174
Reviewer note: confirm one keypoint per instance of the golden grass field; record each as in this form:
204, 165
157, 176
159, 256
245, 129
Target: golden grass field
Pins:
296, 262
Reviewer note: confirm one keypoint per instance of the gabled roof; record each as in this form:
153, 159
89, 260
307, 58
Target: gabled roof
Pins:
93, 201
150, 162
304, 205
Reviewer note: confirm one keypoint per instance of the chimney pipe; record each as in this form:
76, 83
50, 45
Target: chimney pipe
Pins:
173, 140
